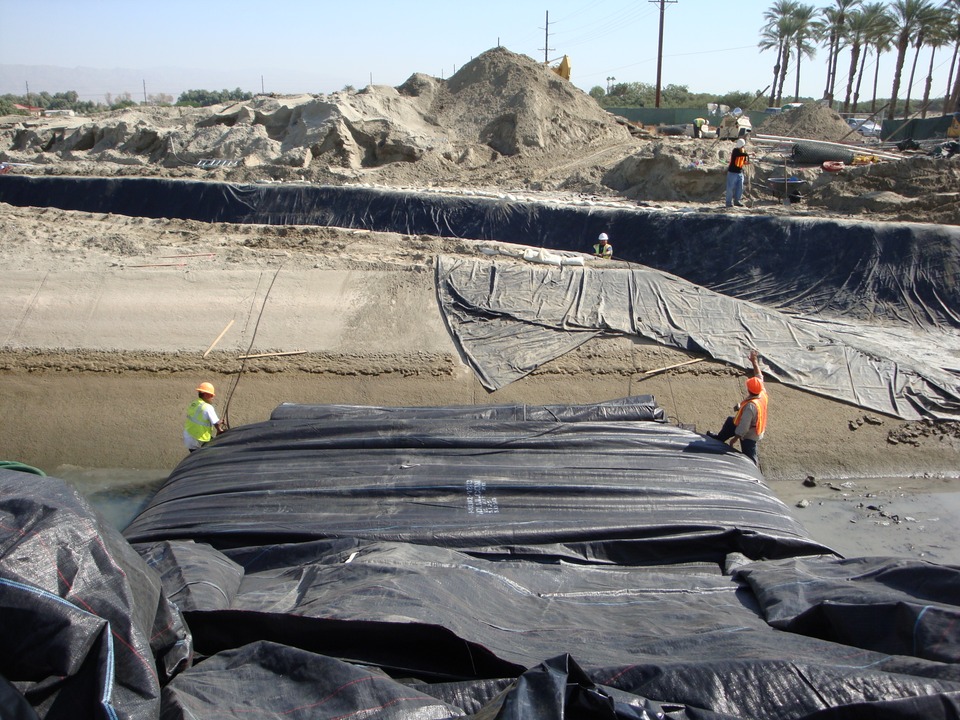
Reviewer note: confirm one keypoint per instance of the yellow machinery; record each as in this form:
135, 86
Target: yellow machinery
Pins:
954, 129
563, 69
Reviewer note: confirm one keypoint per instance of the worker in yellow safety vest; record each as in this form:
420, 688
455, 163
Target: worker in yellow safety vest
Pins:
750, 421
202, 419
603, 248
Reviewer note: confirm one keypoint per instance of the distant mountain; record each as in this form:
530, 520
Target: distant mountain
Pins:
95, 83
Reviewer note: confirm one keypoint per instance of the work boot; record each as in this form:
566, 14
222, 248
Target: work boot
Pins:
738, 204
712, 435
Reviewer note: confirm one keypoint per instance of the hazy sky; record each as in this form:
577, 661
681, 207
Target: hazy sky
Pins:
321, 46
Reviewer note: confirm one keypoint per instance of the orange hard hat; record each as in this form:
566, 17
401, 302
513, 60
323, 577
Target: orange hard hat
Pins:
754, 385
207, 388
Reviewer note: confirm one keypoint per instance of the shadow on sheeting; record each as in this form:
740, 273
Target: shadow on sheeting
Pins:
506, 561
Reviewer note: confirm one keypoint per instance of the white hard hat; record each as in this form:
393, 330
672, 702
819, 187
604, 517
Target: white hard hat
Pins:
603, 236
740, 142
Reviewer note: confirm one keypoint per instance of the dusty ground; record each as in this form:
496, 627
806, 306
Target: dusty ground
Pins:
102, 342
106, 319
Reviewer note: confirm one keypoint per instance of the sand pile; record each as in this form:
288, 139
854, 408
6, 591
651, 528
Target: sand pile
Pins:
811, 121
503, 123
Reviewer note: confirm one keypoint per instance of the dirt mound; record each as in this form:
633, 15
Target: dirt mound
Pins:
503, 123
810, 121
499, 105
920, 188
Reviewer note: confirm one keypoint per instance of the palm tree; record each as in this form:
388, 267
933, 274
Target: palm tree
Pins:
907, 15
882, 26
834, 23
926, 26
857, 32
939, 34
776, 33
790, 27
952, 95
808, 30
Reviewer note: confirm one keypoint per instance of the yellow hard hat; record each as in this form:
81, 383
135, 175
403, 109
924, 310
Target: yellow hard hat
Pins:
207, 388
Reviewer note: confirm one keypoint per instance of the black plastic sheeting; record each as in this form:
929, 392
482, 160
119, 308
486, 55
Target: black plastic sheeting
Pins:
87, 630
388, 475
906, 272
364, 561
508, 318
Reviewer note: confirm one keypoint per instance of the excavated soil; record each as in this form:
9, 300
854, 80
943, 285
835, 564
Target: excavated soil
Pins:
502, 124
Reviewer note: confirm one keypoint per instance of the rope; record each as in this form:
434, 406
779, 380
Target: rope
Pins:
253, 337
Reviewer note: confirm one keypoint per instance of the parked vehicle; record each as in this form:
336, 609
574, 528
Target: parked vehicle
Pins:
867, 128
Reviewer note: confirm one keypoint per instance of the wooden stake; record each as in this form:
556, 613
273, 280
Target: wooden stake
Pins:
213, 344
274, 354
671, 367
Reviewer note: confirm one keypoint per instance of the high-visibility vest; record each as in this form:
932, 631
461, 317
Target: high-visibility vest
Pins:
603, 250
738, 158
760, 401
196, 424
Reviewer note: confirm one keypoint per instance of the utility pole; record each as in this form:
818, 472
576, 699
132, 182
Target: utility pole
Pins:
546, 40
144, 91
663, 4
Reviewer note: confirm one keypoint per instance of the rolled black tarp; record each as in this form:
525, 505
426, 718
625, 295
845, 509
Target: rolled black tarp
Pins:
588, 482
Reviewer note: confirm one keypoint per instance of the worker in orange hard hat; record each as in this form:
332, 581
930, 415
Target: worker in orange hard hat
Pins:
749, 422
202, 419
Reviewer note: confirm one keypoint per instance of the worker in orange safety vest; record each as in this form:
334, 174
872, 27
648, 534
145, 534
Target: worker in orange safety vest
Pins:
749, 422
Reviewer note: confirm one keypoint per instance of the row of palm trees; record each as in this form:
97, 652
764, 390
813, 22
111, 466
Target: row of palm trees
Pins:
860, 30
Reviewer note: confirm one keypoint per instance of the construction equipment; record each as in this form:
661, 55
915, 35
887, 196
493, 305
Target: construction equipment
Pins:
954, 130
563, 69
733, 125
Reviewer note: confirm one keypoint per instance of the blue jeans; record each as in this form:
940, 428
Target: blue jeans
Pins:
734, 187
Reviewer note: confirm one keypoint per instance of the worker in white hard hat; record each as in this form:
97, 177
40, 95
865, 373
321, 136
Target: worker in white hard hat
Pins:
202, 419
603, 248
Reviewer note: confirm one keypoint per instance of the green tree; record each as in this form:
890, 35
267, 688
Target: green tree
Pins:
597, 93
776, 33
8, 105
205, 98
907, 15
926, 23
123, 101
882, 29
939, 33
835, 21
952, 94
804, 40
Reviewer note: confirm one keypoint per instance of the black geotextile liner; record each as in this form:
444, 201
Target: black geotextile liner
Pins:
87, 631
900, 271
598, 483
397, 617
508, 318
